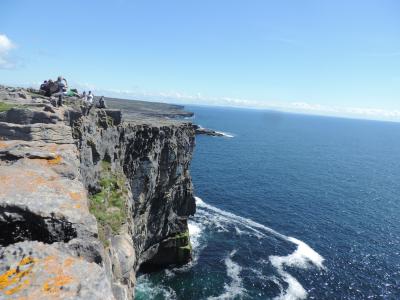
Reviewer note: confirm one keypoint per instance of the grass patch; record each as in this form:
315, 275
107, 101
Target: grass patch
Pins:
6, 106
109, 206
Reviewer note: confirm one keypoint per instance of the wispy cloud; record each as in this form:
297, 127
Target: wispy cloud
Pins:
359, 112
6, 45
200, 99
296, 107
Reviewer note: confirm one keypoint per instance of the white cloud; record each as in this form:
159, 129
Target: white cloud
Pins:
293, 107
6, 45
354, 112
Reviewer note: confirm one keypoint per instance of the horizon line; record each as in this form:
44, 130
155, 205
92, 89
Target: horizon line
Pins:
299, 107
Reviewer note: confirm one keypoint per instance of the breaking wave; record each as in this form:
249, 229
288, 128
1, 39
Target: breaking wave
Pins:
225, 134
235, 288
303, 257
145, 289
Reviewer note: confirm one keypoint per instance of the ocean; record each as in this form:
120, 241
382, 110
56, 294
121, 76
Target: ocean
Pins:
290, 207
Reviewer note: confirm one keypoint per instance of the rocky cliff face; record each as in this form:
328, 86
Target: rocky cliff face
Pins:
85, 200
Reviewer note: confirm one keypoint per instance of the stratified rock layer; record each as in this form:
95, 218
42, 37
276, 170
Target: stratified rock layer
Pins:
154, 155
51, 162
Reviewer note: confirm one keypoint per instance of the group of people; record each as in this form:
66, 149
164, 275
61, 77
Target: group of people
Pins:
56, 88
59, 89
88, 100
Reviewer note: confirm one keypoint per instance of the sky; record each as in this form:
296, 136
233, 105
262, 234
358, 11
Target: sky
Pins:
337, 57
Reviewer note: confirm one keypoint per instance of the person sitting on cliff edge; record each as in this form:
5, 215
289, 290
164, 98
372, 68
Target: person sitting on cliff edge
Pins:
101, 103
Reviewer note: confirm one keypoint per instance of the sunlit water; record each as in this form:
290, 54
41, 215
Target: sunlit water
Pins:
290, 207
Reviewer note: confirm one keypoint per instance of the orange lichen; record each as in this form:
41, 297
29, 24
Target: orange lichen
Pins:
55, 161
53, 285
3, 145
16, 279
60, 278
52, 148
75, 196
49, 258
68, 262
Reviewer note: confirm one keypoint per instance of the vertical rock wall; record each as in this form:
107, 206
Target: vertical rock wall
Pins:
154, 157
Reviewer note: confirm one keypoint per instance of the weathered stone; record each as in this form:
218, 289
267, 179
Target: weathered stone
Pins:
51, 157
29, 116
49, 133
33, 270
175, 250
36, 189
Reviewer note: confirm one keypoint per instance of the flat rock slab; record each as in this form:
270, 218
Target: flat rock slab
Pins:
33, 270
51, 133
40, 181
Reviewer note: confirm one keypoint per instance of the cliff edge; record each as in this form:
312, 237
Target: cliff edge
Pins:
86, 199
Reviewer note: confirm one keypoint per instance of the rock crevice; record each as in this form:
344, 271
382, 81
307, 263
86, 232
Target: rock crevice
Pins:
116, 193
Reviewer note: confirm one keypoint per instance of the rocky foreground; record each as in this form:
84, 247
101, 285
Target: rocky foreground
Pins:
87, 200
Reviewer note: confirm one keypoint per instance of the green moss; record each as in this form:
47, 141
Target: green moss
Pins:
6, 106
184, 247
184, 253
184, 234
109, 204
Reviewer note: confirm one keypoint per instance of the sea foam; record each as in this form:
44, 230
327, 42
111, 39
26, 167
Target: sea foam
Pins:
225, 134
146, 289
235, 288
303, 257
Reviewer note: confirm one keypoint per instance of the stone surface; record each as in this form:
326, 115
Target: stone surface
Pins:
50, 133
52, 160
33, 270
200, 130
154, 155
41, 197
29, 116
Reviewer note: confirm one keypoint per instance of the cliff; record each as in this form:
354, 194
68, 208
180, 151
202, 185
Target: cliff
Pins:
87, 200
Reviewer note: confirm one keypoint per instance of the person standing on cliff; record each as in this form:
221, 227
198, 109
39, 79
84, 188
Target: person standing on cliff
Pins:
90, 98
62, 87
89, 102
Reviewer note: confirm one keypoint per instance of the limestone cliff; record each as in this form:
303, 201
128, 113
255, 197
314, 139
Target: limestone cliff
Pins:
86, 199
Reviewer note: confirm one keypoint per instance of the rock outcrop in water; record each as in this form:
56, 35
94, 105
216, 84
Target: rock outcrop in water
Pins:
201, 130
85, 200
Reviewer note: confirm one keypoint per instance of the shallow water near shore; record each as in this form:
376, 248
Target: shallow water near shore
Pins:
290, 207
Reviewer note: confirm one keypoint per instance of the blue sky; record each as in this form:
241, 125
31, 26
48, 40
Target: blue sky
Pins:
324, 57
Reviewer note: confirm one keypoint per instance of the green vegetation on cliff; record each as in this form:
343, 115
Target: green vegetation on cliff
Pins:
183, 247
6, 106
109, 204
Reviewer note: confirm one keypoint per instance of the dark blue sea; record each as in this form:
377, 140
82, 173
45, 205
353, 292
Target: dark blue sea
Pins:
290, 207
